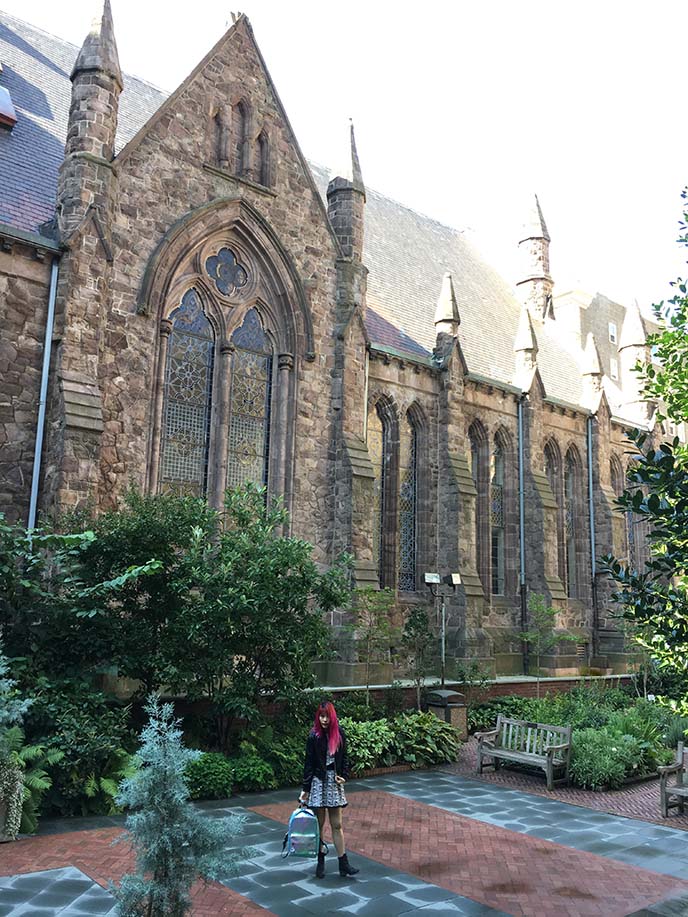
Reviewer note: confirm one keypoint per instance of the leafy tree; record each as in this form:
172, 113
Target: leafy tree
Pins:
540, 635
417, 641
373, 628
654, 601
251, 611
174, 843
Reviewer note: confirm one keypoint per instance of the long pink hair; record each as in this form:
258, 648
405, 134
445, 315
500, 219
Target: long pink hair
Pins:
334, 736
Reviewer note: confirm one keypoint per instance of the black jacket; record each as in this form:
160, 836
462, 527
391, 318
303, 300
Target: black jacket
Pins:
316, 759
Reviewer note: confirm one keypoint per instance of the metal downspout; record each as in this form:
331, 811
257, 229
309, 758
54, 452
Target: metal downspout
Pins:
522, 534
42, 403
593, 555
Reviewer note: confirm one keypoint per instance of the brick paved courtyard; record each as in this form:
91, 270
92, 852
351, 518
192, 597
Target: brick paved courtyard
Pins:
426, 842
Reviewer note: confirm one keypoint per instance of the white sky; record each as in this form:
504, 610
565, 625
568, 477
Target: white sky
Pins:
463, 109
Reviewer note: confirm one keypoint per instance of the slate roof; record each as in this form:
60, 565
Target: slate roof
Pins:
407, 253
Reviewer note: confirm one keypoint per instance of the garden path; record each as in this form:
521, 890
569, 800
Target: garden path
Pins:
426, 841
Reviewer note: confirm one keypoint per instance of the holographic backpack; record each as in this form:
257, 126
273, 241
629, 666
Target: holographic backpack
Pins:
303, 834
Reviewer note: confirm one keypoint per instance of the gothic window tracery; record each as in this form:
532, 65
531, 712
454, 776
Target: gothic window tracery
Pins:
480, 473
553, 473
224, 269
408, 494
497, 522
239, 136
571, 486
377, 450
188, 399
251, 388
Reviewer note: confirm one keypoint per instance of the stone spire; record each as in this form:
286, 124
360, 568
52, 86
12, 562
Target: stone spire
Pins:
346, 199
535, 289
633, 350
86, 174
633, 332
591, 373
447, 318
99, 50
525, 349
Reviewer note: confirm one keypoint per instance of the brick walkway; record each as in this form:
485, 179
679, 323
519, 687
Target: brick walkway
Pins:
640, 800
515, 873
93, 853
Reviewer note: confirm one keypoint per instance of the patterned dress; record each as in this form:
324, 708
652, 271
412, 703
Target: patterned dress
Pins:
330, 794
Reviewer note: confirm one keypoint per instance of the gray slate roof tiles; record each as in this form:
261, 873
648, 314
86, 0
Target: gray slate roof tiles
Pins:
407, 253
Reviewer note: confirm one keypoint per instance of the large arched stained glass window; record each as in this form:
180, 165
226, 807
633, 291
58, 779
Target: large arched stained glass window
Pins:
249, 423
408, 494
570, 492
187, 400
377, 449
480, 473
497, 521
553, 473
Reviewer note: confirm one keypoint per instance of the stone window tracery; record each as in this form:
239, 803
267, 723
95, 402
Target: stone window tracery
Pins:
188, 399
480, 473
570, 527
497, 522
553, 474
239, 137
408, 495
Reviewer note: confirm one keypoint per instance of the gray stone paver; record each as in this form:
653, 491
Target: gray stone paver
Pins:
289, 889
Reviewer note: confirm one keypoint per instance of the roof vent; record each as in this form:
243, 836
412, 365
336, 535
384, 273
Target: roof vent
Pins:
8, 116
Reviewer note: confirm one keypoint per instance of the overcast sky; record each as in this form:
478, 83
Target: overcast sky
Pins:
464, 109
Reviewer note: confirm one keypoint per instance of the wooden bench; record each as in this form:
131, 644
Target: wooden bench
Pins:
534, 744
673, 796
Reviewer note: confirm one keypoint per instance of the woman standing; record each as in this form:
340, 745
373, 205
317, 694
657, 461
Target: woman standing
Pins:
324, 774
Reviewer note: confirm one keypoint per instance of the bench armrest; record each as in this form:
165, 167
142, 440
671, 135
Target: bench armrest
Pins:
669, 769
489, 734
550, 748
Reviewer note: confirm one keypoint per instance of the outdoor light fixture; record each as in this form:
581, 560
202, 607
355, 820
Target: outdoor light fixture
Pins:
441, 587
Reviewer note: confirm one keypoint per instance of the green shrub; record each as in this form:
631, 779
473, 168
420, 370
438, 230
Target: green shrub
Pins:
209, 777
251, 772
598, 759
676, 730
484, 716
369, 744
394, 700
424, 739
95, 739
286, 757
352, 706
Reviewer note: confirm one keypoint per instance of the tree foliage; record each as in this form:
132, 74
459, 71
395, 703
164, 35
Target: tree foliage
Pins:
417, 641
654, 600
175, 844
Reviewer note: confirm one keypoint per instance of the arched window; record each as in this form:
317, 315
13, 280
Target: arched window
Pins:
219, 140
239, 135
263, 159
571, 487
187, 399
619, 530
497, 522
553, 473
408, 499
383, 445
480, 474
251, 391
377, 449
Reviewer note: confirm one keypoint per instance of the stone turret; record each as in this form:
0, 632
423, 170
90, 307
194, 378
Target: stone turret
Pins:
86, 172
591, 373
447, 318
346, 199
633, 349
525, 351
535, 287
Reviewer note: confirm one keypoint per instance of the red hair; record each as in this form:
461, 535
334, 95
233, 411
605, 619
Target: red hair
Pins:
334, 736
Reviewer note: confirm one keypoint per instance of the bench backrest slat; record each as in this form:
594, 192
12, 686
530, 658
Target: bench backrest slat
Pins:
520, 735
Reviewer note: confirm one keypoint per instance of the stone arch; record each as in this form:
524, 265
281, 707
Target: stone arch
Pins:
574, 516
553, 468
262, 159
503, 519
240, 131
383, 445
479, 460
229, 254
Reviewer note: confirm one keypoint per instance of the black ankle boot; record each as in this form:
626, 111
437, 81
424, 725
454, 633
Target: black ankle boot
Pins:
320, 868
345, 868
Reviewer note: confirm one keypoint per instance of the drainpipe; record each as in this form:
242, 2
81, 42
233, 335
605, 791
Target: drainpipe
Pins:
45, 374
522, 534
593, 556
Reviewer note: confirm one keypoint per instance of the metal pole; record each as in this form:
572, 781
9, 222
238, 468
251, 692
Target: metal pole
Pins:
444, 639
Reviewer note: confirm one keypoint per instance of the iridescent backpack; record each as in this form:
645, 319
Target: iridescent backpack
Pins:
303, 834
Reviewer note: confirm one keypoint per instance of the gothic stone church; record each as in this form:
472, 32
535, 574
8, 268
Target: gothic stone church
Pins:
187, 304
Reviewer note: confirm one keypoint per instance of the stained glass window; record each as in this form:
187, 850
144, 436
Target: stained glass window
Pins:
497, 520
570, 477
187, 400
376, 450
407, 507
226, 272
249, 424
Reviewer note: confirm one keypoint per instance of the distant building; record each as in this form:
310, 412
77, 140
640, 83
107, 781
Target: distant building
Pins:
224, 312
